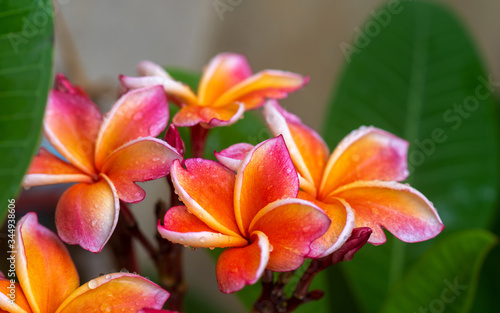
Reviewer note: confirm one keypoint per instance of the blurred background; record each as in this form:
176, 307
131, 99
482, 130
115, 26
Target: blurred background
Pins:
98, 40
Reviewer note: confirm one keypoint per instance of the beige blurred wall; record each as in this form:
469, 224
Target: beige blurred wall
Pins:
296, 35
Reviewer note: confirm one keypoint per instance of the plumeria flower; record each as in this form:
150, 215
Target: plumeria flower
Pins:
106, 156
357, 185
48, 280
227, 89
253, 212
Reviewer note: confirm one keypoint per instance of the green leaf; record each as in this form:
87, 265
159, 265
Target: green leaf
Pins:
415, 72
445, 277
26, 47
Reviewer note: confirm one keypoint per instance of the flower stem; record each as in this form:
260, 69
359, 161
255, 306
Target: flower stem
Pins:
136, 232
198, 140
169, 265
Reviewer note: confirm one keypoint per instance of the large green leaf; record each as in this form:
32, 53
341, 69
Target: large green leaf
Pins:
415, 72
26, 46
444, 279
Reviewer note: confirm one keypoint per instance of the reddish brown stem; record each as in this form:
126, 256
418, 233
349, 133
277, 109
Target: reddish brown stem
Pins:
169, 265
136, 232
198, 140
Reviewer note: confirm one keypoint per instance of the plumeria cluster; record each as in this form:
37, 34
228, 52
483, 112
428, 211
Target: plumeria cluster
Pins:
270, 206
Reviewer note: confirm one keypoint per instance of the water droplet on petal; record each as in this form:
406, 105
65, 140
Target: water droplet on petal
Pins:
202, 239
181, 238
211, 248
137, 116
108, 277
156, 159
93, 284
271, 248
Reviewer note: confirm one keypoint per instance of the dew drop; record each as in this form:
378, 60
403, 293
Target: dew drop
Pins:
26, 188
105, 307
202, 239
156, 159
181, 239
94, 222
211, 248
220, 235
108, 277
93, 284
137, 116
271, 248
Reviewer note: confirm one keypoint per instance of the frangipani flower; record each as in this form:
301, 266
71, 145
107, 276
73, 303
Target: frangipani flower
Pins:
106, 156
227, 89
357, 185
254, 213
49, 283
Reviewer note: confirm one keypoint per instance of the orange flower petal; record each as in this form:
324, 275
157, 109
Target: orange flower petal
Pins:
265, 84
208, 116
291, 225
366, 154
176, 91
139, 113
12, 292
42, 264
237, 267
222, 73
232, 156
308, 150
182, 227
206, 188
47, 169
400, 209
342, 217
87, 214
71, 124
265, 175
138, 161
117, 292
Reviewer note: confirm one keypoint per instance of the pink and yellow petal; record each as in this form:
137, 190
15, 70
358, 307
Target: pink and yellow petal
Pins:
303, 221
308, 150
47, 169
234, 155
366, 154
176, 91
400, 209
71, 124
182, 227
12, 298
139, 113
117, 292
138, 161
265, 84
209, 116
206, 188
342, 217
265, 175
222, 73
42, 263
237, 267
87, 214
148, 68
